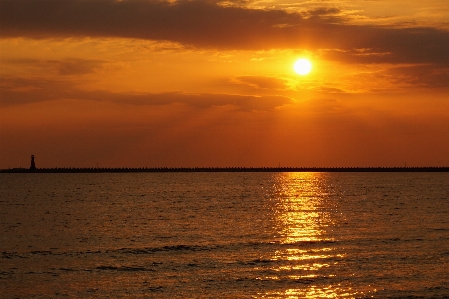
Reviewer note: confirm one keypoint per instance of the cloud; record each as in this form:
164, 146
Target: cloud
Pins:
77, 66
66, 67
197, 23
390, 45
200, 100
421, 75
206, 24
260, 82
322, 106
330, 14
19, 91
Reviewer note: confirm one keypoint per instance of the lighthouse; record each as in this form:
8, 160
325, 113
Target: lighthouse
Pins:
33, 166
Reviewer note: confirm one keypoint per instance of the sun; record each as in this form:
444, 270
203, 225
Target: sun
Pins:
302, 66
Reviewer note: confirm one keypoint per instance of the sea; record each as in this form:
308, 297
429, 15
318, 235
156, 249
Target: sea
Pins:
224, 235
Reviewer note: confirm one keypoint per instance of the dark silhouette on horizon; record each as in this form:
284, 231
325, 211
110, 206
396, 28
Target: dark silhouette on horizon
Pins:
225, 169
33, 165
221, 169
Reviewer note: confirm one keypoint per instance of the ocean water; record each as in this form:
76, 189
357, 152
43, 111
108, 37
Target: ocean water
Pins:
224, 235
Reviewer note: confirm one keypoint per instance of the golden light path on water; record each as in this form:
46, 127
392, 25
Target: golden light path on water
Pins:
303, 215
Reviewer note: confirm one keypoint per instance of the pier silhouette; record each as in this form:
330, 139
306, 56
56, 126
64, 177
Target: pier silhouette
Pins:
226, 169
34, 169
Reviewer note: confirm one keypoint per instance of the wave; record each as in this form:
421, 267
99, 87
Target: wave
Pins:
169, 248
124, 268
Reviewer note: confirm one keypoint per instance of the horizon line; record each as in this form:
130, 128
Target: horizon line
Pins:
228, 169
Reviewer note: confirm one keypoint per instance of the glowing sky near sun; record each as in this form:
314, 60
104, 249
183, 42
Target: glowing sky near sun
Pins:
211, 83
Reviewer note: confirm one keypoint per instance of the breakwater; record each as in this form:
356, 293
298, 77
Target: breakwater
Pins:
226, 169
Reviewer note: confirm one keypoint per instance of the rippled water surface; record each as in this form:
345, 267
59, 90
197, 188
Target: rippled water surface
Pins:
224, 235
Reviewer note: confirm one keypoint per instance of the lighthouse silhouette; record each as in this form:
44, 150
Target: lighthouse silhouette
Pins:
33, 166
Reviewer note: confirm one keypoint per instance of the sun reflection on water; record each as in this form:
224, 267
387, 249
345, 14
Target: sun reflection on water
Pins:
302, 208
304, 212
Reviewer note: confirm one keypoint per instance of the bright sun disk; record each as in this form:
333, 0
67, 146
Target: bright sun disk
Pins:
302, 66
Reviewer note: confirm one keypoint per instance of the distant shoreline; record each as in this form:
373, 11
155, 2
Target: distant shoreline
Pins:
227, 169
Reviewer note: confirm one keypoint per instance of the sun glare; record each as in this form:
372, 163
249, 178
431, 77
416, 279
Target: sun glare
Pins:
302, 66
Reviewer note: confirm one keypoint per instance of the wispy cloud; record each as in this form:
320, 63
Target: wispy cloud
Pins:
259, 82
20, 91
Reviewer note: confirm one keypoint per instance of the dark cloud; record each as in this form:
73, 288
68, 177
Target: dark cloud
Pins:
205, 24
197, 23
330, 14
19, 91
77, 66
66, 67
383, 45
421, 76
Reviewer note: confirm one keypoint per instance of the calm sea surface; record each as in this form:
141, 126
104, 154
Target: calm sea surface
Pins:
224, 235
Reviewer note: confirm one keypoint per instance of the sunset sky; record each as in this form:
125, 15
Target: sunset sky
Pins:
143, 83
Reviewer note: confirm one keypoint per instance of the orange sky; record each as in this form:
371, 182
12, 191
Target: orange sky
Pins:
142, 83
